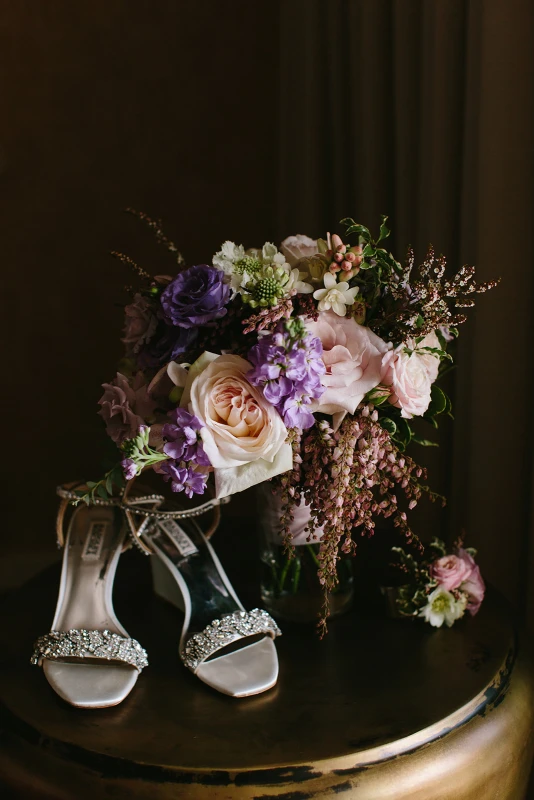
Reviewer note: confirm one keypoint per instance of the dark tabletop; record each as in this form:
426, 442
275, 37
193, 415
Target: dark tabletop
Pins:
370, 682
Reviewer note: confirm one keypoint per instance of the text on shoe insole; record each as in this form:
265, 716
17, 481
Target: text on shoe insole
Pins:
182, 541
94, 541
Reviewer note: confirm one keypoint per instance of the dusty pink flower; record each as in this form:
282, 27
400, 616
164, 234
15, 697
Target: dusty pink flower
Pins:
474, 585
411, 375
125, 407
352, 355
140, 323
450, 571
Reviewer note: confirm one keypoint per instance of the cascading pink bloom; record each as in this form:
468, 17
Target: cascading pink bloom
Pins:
125, 407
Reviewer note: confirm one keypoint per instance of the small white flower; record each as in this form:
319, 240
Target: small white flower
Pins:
295, 282
270, 252
227, 256
335, 296
443, 607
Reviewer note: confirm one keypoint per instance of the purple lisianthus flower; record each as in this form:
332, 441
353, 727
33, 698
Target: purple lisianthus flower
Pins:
183, 479
288, 370
196, 296
129, 468
182, 438
167, 344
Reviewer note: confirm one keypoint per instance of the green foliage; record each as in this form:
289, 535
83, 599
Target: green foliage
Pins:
111, 485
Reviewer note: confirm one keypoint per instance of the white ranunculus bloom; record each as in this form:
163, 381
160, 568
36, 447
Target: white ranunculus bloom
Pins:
443, 607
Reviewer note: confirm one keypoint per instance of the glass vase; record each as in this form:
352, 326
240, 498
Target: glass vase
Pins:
290, 587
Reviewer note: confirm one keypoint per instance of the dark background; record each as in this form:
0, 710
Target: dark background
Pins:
253, 121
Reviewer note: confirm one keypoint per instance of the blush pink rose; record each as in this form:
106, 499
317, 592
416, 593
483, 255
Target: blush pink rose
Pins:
411, 375
296, 247
450, 571
352, 355
474, 585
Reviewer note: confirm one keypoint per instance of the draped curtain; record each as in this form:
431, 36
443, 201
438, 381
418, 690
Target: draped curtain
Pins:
424, 111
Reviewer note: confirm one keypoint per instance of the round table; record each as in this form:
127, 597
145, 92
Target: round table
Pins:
379, 709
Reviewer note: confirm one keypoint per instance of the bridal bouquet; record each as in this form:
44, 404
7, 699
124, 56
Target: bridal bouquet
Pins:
441, 587
304, 364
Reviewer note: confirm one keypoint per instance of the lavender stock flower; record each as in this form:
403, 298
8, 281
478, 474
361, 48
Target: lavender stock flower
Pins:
182, 478
129, 468
288, 368
196, 296
186, 466
182, 438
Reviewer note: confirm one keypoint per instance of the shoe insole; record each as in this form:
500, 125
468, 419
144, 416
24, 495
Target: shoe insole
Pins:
189, 552
92, 549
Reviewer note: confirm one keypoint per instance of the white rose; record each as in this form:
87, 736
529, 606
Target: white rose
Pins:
411, 375
244, 437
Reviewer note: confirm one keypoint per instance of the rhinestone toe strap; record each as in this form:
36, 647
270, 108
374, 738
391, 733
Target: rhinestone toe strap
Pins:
84, 644
222, 632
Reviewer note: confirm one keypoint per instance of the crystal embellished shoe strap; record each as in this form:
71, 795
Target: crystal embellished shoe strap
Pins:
224, 631
89, 644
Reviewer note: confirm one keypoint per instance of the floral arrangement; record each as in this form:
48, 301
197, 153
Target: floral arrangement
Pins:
305, 365
441, 587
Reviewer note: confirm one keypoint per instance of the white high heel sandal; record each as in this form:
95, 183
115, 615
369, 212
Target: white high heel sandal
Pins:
187, 573
88, 657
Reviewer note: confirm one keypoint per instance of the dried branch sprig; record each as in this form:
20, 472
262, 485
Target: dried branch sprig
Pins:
132, 264
307, 307
417, 306
161, 238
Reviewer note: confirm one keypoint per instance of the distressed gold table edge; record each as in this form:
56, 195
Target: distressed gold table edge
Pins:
487, 699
